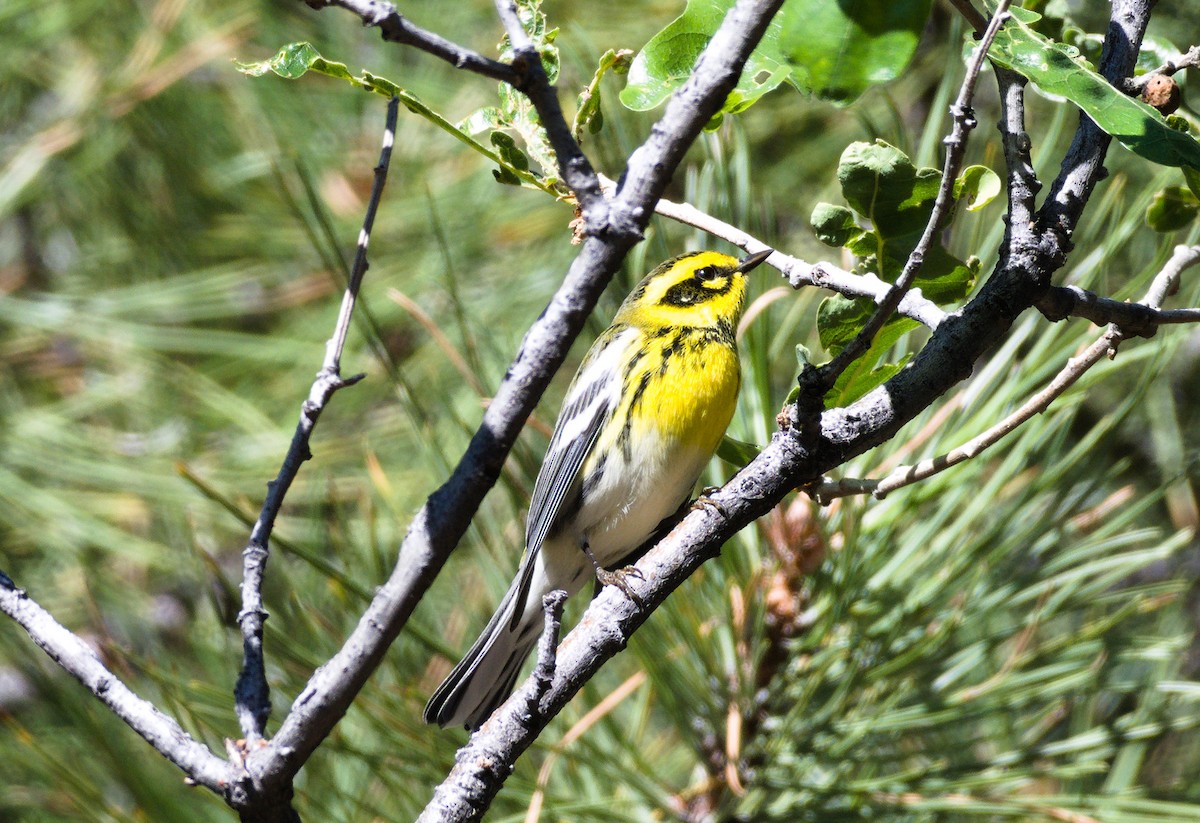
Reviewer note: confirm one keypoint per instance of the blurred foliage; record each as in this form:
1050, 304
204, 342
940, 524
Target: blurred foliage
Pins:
1012, 639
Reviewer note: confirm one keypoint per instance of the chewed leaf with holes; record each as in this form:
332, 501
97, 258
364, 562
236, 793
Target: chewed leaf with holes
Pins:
297, 59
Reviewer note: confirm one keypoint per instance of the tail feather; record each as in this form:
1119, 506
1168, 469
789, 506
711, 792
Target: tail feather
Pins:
486, 675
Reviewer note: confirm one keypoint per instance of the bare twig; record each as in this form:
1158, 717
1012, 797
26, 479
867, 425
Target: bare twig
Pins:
978, 21
815, 382
252, 693
1164, 284
1188, 60
67, 650
798, 272
1135, 319
396, 29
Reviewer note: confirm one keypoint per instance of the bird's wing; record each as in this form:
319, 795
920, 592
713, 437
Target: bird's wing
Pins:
593, 396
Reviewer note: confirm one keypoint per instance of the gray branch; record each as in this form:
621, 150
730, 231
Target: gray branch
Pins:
442, 521
395, 29
252, 694
77, 658
796, 457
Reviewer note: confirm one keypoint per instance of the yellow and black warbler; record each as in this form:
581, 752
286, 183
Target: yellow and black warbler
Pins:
642, 417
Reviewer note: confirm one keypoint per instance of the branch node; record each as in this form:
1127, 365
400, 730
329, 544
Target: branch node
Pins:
547, 653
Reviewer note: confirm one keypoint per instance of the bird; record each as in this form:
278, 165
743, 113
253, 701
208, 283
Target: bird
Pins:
642, 417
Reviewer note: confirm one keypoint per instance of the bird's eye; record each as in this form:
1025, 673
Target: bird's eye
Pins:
706, 273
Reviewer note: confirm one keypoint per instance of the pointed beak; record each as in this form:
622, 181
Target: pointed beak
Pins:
751, 260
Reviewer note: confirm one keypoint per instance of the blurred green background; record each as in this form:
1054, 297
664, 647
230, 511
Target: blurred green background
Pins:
1010, 640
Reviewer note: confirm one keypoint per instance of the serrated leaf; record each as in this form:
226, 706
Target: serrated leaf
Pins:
839, 50
666, 61
979, 185
1055, 69
1172, 209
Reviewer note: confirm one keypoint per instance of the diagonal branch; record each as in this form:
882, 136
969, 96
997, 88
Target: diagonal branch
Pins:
252, 694
441, 522
396, 29
67, 650
815, 382
1164, 284
794, 457
798, 272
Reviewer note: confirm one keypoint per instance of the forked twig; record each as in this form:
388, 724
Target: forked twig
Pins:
1164, 284
252, 694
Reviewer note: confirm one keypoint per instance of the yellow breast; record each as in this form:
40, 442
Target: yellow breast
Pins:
686, 395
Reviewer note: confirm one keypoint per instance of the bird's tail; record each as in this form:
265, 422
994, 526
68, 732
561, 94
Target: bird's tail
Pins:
487, 673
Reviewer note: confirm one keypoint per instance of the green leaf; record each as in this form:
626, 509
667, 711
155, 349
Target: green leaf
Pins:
861, 378
736, 452
297, 59
1192, 176
1056, 69
835, 225
666, 61
979, 185
588, 116
839, 319
883, 186
834, 51
1172, 209
839, 50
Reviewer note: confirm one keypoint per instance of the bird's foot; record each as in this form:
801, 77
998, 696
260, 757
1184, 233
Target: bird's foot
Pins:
619, 578
704, 501
616, 577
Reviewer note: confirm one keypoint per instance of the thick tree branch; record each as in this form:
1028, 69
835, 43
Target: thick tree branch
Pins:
815, 382
794, 457
441, 522
1082, 166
